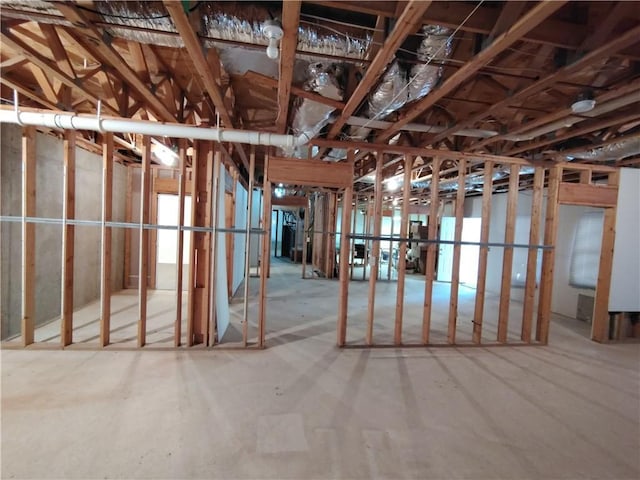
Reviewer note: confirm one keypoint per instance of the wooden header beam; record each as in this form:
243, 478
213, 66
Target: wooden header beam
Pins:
290, 201
588, 195
295, 171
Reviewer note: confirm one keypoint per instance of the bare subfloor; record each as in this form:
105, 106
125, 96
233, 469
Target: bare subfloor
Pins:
305, 409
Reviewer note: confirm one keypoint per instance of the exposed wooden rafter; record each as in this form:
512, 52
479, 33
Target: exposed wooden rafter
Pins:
288, 44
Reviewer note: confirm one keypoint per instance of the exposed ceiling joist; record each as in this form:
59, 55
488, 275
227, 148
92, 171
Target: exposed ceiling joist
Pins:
288, 45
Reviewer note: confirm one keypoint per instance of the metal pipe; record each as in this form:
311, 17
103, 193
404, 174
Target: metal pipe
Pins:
73, 121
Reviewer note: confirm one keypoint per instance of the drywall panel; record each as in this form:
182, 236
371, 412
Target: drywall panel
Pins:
222, 299
625, 277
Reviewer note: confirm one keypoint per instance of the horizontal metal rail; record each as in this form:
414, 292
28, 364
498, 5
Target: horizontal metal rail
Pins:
132, 225
448, 242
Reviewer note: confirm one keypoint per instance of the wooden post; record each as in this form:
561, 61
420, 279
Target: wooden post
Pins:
127, 231
105, 267
507, 254
353, 230
153, 234
484, 251
247, 248
600, 324
143, 265
68, 236
402, 264
345, 249
375, 248
28, 234
548, 256
329, 234
366, 230
432, 249
217, 184
266, 240
182, 154
275, 244
390, 254
455, 274
191, 288
532, 257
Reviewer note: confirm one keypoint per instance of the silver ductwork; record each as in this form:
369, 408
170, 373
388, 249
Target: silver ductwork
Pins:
612, 152
399, 86
311, 117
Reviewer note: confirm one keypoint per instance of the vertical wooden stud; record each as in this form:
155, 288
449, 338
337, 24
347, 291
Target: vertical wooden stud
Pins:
128, 231
390, 253
353, 230
345, 249
266, 240
68, 236
375, 248
182, 173
487, 191
455, 274
305, 237
532, 257
191, 287
507, 253
153, 234
548, 256
105, 265
402, 264
217, 184
28, 234
600, 324
143, 264
432, 249
247, 248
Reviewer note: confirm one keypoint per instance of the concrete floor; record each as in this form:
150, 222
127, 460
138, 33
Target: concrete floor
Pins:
304, 409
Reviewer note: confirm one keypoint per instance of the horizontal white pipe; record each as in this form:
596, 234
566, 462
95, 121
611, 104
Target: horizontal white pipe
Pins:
72, 121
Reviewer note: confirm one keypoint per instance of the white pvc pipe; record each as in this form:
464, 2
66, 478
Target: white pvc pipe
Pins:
73, 121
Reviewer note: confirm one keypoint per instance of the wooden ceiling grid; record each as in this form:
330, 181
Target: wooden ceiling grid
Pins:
516, 66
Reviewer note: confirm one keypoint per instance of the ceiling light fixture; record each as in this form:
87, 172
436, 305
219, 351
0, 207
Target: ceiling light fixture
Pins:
584, 103
273, 31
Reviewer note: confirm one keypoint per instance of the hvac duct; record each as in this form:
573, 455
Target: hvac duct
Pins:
612, 152
72, 121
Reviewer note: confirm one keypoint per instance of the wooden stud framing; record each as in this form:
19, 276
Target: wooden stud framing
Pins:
143, 234
247, 248
68, 237
127, 231
28, 234
217, 184
182, 174
600, 325
402, 264
305, 238
105, 264
487, 190
548, 256
432, 250
329, 234
153, 234
532, 258
266, 241
353, 230
455, 274
375, 249
507, 254
345, 252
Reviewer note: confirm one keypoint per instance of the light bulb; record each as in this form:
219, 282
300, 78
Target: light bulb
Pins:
272, 49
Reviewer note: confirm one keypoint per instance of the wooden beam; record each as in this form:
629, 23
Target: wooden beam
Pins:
345, 250
600, 324
288, 44
289, 201
182, 177
532, 257
293, 171
68, 236
28, 234
487, 191
153, 234
105, 244
432, 249
194, 49
12, 84
143, 239
85, 32
217, 184
266, 244
44, 84
57, 49
297, 91
548, 256
17, 45
247, 248
524, 25
128, 216
406, 25
507, 254
402, 253
455, 269
588, 195
375, 249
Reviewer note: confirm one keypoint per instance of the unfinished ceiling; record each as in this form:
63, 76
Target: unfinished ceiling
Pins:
486, 77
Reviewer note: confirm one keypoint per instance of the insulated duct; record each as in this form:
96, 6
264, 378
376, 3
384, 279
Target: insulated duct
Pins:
399, 86
612, 152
